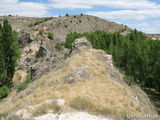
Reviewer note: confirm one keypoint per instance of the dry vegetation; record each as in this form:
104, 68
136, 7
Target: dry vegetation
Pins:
99, 93
44, 108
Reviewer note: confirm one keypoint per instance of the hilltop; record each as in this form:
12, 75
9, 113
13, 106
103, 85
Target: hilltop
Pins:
86, 81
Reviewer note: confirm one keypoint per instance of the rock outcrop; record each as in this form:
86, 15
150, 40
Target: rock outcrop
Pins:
40, 57
80, 44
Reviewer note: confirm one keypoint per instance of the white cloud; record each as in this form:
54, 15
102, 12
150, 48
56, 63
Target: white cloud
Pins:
29, 9
8, 1
124, 15
147, 27
127, 4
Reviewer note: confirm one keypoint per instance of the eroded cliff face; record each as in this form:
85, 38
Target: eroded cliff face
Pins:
86, 83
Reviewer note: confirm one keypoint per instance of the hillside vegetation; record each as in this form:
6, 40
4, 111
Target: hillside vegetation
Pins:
135, 54
9, 54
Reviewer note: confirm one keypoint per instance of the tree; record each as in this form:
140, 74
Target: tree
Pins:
9, 54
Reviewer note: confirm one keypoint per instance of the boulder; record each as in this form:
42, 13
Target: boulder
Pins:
26, 38
80, 44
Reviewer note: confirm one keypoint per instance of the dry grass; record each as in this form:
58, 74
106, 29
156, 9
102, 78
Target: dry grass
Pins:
44, 108
83, 103
19, 77
106, 95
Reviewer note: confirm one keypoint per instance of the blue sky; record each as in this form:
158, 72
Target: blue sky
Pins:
141, 14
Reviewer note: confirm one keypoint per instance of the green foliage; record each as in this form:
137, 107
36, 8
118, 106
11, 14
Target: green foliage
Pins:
23, 85
30, 25
58, 46
41, 32
65, 56
4, 91
39, 22
67, 14
134, 53
81, 14
9, 53
70, 38
65, 26
50, 35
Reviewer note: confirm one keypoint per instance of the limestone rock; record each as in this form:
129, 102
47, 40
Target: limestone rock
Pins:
80, 44
80, 73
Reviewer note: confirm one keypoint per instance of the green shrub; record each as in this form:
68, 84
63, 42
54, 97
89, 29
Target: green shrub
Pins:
58, 46
65, 26
50, 35
39, 22
70, 38
4, 91
67, 14
30, 25
65, 56
129, 80
81, 14
41, 32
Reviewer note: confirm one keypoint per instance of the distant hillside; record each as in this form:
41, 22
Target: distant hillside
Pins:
61, 26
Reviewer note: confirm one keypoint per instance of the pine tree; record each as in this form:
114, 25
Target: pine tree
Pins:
8, 55
1, 56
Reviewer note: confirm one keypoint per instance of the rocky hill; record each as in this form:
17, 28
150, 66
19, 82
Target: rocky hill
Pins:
84, 87
33, 38
63, 84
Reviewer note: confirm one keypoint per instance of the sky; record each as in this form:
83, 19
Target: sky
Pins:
144, 15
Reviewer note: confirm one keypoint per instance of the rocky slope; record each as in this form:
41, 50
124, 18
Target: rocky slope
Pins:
86, 86
39, 53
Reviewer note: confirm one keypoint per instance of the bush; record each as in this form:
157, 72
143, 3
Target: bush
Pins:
65, 26
70, 38
39, 22
81, 14
41, 32
4, 91
67, 14
58, 47
50, 35
30, 25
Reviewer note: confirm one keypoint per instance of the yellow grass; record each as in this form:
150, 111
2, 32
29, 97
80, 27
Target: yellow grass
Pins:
100, 88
